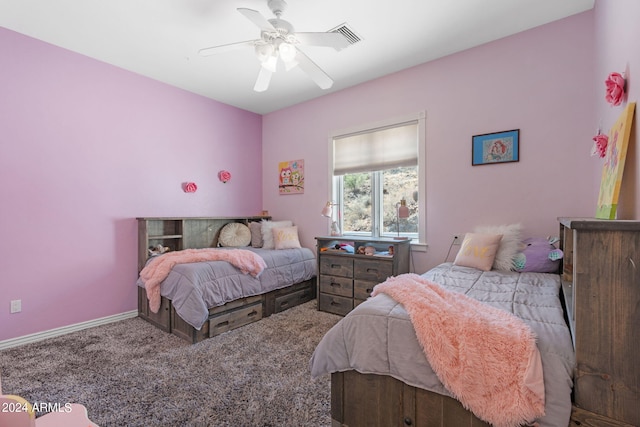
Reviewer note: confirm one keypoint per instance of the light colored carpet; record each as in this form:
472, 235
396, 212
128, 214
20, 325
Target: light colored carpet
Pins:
129, 373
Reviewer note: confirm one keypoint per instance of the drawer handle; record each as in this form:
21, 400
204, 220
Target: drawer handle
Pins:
283, 303
335, 266
334, 303
334, 284
369, 290
253, 313
225, 323
372, 270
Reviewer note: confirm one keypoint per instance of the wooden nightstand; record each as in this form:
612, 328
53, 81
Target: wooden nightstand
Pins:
345, 279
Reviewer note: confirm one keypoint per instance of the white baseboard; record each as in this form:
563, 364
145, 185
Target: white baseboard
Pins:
39, 336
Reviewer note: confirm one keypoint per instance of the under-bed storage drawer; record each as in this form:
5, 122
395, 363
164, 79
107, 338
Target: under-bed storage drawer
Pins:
234, 319
374, 270
291, 300
335, 304
336, 265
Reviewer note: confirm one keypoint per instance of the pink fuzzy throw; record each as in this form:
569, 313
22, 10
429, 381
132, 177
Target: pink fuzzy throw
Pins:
486, 357
158, 268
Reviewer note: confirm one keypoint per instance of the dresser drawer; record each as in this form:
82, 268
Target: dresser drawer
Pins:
335, 304
336, 285
362, 288
376, 271
336, 265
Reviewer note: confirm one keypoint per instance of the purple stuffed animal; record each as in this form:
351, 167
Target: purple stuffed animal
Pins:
539, 255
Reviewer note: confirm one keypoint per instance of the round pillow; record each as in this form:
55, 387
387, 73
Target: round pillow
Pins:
234, 234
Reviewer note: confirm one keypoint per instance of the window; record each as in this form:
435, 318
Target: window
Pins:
373, 169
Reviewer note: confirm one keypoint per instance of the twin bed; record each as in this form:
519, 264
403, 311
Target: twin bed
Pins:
381, 376
199, 300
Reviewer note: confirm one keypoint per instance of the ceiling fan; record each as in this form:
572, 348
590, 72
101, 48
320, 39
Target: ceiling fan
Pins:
279, 41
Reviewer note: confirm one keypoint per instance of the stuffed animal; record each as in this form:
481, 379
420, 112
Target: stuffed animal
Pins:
157, 250
539, 255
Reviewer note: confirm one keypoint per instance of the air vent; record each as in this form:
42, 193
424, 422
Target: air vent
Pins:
348, 32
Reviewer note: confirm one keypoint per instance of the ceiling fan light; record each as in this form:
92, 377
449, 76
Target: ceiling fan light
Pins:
287, 51
264, 51
270, 63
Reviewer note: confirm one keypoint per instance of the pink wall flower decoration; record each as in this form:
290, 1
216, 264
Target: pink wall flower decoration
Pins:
614, 89
224, 176
189, 187
600, 145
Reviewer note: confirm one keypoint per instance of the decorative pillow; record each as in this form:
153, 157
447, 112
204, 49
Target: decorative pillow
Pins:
286, 237
267, 231
539, 256
256, 234
510, 245
234, 234
478, 250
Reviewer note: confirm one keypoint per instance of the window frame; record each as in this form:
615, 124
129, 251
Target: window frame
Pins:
335, 187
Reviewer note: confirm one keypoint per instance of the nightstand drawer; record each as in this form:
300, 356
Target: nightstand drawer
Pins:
362, 288
336, 266
336, 285
376, 271
335, 304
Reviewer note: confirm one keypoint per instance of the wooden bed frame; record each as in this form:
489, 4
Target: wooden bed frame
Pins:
202, 232
380, 401
367, 400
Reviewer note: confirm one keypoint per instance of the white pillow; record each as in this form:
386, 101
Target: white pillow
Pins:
234, 234
510, 245
267, 232
286, 237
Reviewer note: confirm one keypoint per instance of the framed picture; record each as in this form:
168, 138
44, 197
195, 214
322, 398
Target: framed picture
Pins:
291, 177
614, 164
498, 147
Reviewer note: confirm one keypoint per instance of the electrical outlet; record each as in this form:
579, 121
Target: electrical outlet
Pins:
16, 306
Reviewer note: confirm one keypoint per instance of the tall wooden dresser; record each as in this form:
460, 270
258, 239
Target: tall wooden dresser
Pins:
601, 286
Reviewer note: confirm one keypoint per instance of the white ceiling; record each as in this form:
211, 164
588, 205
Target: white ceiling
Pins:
161, 38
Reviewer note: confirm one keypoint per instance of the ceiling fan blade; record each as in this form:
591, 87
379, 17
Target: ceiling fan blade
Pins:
316, 73
262, 83
257, 18
226, 47
335, 40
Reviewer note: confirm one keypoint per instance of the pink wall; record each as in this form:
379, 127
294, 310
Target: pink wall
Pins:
86, 148
539, 81
617, 49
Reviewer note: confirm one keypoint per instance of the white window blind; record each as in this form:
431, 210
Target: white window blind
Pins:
378, 149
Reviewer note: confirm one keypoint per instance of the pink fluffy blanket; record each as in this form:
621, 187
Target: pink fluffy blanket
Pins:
158, 268
486, 357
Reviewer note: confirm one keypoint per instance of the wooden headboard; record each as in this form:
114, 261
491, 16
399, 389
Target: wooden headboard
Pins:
182, 233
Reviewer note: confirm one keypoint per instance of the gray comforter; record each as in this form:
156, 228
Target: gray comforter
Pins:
195, 287
377, 336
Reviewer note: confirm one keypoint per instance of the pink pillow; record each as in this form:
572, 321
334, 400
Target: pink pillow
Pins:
286, 237
478, 250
